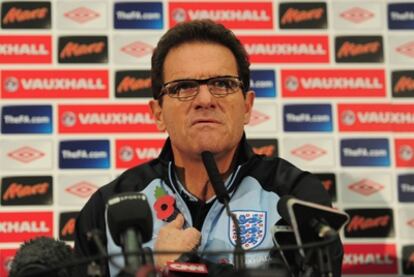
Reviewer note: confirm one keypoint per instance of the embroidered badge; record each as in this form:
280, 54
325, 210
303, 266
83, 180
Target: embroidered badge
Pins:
164, 206
252, 228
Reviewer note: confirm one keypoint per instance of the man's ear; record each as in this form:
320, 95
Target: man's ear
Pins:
248, 104
156, 111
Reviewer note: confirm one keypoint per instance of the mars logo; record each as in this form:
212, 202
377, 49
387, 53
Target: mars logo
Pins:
81, 15
402, 83
25, 15
133, 83
357, 15
267, 147
26, 154
83, 49
302, 15
365, 187
137, 49
408, 259
82, 189
133, 152
329, 183
369, 223
370, 259
308, 152
359, 49
28, 190
67, 222
21, 226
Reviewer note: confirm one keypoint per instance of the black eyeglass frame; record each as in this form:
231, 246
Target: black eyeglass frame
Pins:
164, 89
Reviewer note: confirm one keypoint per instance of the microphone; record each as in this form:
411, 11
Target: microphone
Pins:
224, 198
40, 255
130, 224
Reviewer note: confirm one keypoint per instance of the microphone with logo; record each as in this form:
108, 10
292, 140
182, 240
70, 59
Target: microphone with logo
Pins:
130, 224
223, 197
313, 222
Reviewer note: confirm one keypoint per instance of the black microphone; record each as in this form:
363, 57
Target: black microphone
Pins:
39, 257
130, 224
224, 198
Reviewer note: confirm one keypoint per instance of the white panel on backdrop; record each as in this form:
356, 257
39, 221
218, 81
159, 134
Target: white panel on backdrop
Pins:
358, 15
26, 155
81, 15
309, 152
263, 119
406, 222
75, 190
134, 49
367, 187
401, 49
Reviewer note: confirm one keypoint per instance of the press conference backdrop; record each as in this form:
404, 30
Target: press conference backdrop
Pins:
334, 82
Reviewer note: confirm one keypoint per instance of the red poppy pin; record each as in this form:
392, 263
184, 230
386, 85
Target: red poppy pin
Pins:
164, 206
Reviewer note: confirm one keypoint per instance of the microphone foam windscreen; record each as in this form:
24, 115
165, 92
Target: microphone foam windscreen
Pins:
129, 210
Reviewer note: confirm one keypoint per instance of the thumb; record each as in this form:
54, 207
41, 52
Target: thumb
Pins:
178, 222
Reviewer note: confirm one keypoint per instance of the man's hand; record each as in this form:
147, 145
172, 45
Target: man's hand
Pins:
172, 237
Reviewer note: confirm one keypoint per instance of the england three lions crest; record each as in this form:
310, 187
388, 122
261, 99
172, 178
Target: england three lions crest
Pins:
252, 228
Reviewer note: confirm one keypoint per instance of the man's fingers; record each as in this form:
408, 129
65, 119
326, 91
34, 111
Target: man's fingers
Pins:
193, 235
178, 222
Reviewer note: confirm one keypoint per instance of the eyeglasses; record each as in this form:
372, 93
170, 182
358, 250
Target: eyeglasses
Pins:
187, 89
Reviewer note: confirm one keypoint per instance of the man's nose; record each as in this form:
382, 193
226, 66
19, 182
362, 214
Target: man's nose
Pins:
204, 97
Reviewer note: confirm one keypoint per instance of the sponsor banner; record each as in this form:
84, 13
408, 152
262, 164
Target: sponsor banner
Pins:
234, 15
375, 117
267, 147
74, 190
138, 15
25, 49
329, 183
370, 259
67, 222
333, 83
401, 49
357, 15
56, 83
307, 118
309, 152
26, 15
365, 152
402, 83
133, 83
375, 187
83, 49
27, 190
6, 258
404, 152
80, 16
407, 261
84, 154
26, 119
136, 49
130, 153
303, 15
22, 226
26, 154
406, 223
401, 16
286, 49
121, 118
359, 49
263, 82
370, 223
406, 187
263, 119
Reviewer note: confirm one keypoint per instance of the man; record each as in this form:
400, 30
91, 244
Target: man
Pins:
200, 82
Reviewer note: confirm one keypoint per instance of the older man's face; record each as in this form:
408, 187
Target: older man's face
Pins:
206, 122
